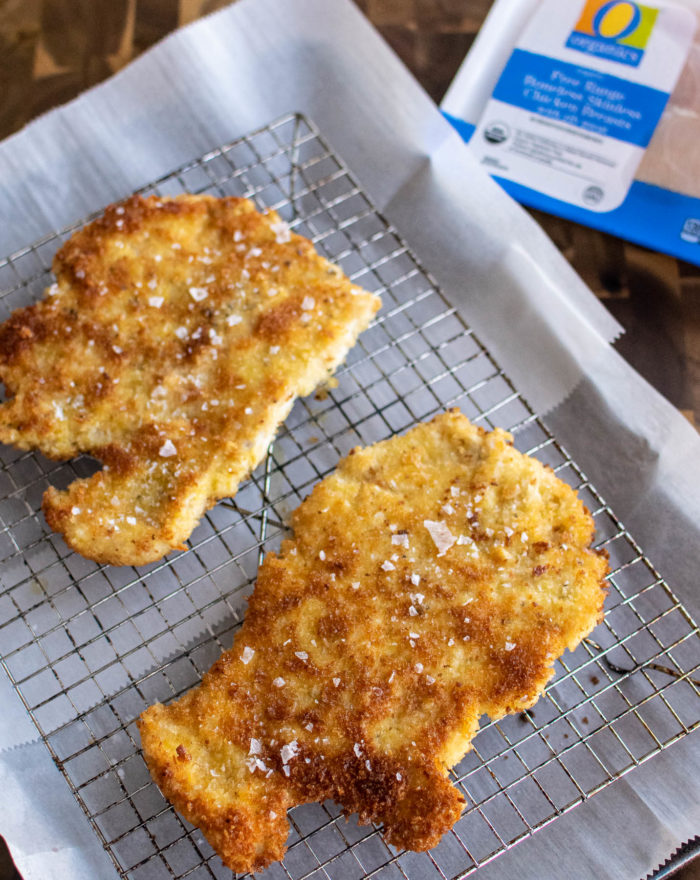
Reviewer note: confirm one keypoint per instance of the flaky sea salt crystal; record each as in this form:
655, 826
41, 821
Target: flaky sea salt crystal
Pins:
308, 303
441, 535
167, 449
232, 320
278, 682
388, 566
255, 747
155, 301
509, 646
199, 293
247, 655
281, 231
289, 751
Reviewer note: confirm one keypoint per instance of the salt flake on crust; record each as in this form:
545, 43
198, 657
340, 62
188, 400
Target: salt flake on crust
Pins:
441, 535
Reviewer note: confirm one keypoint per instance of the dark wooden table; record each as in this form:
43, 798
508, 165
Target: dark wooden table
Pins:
51, 50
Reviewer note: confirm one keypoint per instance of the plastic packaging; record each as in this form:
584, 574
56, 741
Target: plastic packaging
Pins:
590, 109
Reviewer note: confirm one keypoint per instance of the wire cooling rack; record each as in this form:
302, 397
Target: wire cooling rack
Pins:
88, 647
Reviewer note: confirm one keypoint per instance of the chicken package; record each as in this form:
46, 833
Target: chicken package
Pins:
590, 110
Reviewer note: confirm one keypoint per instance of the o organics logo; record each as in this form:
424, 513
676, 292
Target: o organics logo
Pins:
617, 30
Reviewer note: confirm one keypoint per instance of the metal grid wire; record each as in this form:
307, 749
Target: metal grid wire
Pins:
88, 647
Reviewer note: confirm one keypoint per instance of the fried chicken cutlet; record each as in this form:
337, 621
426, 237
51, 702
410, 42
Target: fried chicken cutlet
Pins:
431, 579
171, 347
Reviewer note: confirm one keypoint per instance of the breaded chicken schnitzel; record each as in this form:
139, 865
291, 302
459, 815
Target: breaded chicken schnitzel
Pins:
433, 578
171, 347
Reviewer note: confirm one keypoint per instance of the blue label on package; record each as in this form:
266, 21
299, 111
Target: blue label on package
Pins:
596, 102
651, 216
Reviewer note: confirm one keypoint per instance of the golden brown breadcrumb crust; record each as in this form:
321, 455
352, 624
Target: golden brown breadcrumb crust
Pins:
433, 578
173, 344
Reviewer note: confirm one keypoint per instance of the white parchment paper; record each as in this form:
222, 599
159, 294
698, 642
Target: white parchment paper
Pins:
240, 69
